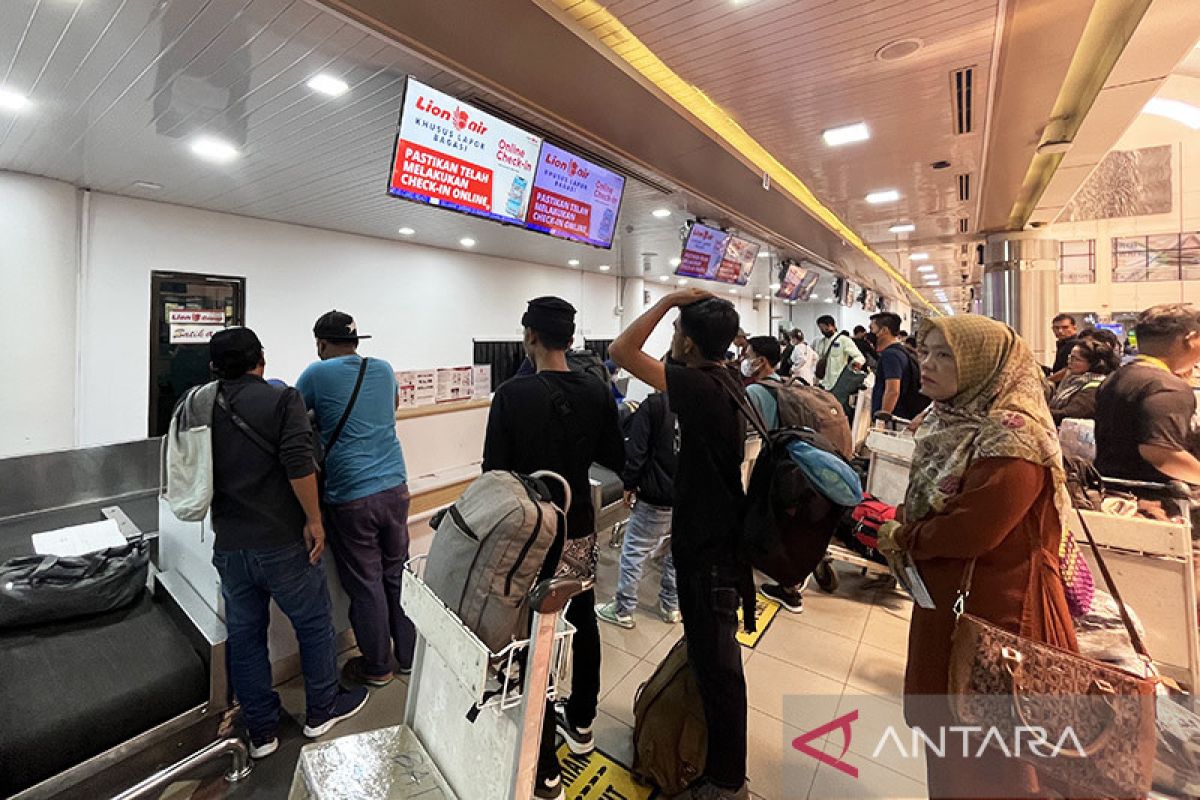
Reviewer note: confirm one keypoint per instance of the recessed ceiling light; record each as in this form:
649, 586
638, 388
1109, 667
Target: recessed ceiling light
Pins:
899, 49
847, 134
926, 268
763, 254
664, 278
933, 283
758, 297
467, 241
406, 231
573, 262
918, 256
327, 84
674, 262
148, 186
605, 267
12, 101
661, 213
682, 282
828, 299
211, 148
883, 196
907, 227
733, 291
1177, 110
774, 287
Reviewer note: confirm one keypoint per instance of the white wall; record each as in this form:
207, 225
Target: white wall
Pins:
37, 271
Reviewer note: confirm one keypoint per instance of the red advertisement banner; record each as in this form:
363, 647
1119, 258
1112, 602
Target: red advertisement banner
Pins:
442, 177
560, 214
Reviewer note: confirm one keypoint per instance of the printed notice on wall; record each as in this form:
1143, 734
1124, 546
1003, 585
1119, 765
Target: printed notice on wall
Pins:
482, 381
196, 316
193, 334
416, 387
454, 384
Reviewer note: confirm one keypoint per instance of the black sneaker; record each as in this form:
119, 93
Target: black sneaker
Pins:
549, 788
345, 705
355, 674
788, 598
579, 740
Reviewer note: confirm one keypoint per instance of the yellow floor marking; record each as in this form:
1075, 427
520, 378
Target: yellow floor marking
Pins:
598, 777
764, 614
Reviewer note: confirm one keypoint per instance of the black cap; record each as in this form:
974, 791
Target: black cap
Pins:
551, 315
232, 346
337, 326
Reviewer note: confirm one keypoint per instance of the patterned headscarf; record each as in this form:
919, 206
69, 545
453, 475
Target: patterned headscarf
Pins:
999, 411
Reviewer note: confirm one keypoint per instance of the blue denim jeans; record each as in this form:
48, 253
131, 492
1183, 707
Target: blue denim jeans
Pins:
250, 579
648, 526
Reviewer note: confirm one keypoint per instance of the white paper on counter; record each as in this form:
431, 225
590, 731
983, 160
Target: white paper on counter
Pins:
79, 539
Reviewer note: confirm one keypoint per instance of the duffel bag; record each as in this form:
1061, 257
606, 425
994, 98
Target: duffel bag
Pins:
39, 589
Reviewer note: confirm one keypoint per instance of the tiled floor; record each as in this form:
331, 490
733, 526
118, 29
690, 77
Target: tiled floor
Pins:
845, 652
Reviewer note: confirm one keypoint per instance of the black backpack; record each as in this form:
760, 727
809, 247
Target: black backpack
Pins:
911, 402
786, 524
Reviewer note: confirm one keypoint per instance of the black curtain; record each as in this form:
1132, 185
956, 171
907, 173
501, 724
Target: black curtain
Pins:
504, 358
598, 346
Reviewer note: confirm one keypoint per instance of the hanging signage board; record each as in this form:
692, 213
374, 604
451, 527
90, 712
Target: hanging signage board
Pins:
453, 155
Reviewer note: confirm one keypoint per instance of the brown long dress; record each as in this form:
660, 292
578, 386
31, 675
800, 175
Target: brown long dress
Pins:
1004, 517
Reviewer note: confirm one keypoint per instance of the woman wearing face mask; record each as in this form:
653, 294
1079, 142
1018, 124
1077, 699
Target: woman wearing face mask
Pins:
986, 487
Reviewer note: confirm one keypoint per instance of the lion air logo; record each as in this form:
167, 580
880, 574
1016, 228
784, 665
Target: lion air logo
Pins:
461, 119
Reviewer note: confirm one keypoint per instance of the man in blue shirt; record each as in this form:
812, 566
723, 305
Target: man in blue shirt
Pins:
897, 376
366, 493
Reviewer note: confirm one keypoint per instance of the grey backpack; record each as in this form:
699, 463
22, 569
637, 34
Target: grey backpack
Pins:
488, 550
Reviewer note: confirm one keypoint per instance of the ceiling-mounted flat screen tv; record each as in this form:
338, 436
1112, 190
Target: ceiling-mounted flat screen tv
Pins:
702, 252
798, 282
574, 198
452, 155
737, 262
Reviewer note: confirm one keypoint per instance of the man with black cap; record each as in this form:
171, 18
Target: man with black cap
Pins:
562, 421
269, 540
366, 493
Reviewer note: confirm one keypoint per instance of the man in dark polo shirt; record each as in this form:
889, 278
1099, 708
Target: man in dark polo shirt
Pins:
269, 540
1145, 410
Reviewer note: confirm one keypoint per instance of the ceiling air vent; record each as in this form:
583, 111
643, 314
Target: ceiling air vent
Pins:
964, 187
964, 225
962, 93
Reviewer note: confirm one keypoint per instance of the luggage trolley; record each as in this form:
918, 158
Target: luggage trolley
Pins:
887, 478
473, 721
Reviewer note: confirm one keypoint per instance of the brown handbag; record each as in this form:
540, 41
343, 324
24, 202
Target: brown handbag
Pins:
1098, 720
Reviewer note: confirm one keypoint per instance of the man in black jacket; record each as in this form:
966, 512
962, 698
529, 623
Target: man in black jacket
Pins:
563, 421
651, 452
269, 540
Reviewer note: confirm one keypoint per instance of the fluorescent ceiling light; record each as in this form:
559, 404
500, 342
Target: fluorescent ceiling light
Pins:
774, 287
664, 278
733, 291
828, 299
149, 186
605, 267
763, 254
1177, 110
573, 262
406, 231
758, 297
847, 134
327, 84
918, 257
932, 282
211, 148
12, 101
682, 281
674, 262
926, 268
883, 196
661, 213
907, 227
467, 241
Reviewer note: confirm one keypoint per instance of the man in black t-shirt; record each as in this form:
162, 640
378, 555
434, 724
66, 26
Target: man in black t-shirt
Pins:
706, 523
897, 375
1145, 410
562, 421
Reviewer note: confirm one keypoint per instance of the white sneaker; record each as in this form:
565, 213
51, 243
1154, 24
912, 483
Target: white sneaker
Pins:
607, 612
671, 616
549, 788
264, 749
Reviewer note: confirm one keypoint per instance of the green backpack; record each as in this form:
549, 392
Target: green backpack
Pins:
670, 736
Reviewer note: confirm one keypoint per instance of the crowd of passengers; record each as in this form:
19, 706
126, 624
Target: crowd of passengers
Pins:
986, 484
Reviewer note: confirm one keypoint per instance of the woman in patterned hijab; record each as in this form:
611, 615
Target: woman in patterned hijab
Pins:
987, 486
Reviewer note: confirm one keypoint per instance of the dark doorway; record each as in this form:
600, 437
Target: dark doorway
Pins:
185, 310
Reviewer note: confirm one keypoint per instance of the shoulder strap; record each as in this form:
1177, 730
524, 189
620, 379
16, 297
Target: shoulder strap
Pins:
245, 427
337, 431
748, 410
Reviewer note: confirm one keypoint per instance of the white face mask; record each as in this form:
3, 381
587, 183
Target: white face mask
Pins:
747, 368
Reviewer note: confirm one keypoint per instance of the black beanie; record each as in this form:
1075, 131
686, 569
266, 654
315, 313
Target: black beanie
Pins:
550, 315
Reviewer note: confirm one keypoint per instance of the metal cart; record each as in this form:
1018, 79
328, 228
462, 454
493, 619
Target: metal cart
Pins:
473, 721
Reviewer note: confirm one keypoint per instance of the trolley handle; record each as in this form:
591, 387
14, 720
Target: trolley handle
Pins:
1175, 489
888, 418
552, 595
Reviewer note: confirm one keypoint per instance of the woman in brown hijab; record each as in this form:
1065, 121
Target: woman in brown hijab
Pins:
986, 484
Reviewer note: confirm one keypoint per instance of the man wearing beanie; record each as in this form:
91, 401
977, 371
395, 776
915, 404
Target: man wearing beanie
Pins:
561, 421
366, 493
269, 540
